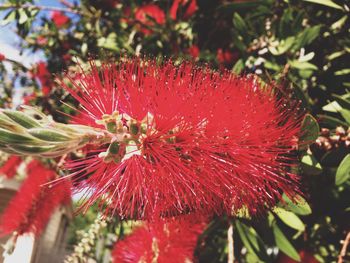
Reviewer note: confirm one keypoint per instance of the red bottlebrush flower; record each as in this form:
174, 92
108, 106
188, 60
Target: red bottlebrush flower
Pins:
164, 242
9, 168
194, 51
143, 15
31, 207
2, 57
183, 139
226, 56
190, 10
44, 76
59, 19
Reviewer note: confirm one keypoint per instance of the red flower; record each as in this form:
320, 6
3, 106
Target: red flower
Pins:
161, 242
59, 19
31, 207
183, 139
9, 168
44, 76
28, 99
143, 15
226, 56
2, 57
41, 40
193, 51
191, 8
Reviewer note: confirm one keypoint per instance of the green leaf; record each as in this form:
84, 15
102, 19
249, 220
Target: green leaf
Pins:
344, 102
289, 218
309, 131
302, 65
328, 3
238, 67
346, 115
251, 240
343, 171
283, 243
307, 36
239, 24
298, 205
8, 18
342, 72
282, 47
23, 17
330, 122
310, 165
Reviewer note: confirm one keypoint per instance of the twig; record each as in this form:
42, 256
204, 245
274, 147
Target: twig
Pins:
230, 241
41, 7
344, 248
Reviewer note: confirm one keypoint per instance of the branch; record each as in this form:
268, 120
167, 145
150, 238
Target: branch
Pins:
41, 7
344, 248
230, 241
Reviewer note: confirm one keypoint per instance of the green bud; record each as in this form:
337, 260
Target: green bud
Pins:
48, 135
21, 118
134, 129
114, 148
111, 126
7, 123
33, 150
7, 137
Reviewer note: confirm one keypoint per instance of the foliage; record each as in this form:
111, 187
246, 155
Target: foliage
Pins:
302, 46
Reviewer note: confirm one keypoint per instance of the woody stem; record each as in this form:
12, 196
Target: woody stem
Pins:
230, 241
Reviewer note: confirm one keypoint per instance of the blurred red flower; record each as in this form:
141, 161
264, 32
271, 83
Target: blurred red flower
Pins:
44, 76
9, 168
226, 56
147, 15
191, 8
194, 51
2, 57
31, 207
41, 40
163, 242
28, 98
183, 139
59, 19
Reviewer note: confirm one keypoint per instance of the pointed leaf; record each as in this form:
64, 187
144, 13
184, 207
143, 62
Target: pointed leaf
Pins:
251, 240
310, 165
343, 172
299, 206
289, 218
309, 131
328, 3
283, 243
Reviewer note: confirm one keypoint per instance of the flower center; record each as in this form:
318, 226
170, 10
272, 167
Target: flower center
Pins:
127, 135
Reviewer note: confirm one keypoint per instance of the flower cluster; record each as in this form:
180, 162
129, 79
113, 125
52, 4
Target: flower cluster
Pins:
31, 207
171, 242
182, 139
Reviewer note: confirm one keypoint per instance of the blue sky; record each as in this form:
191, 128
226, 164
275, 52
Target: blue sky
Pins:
9, 42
